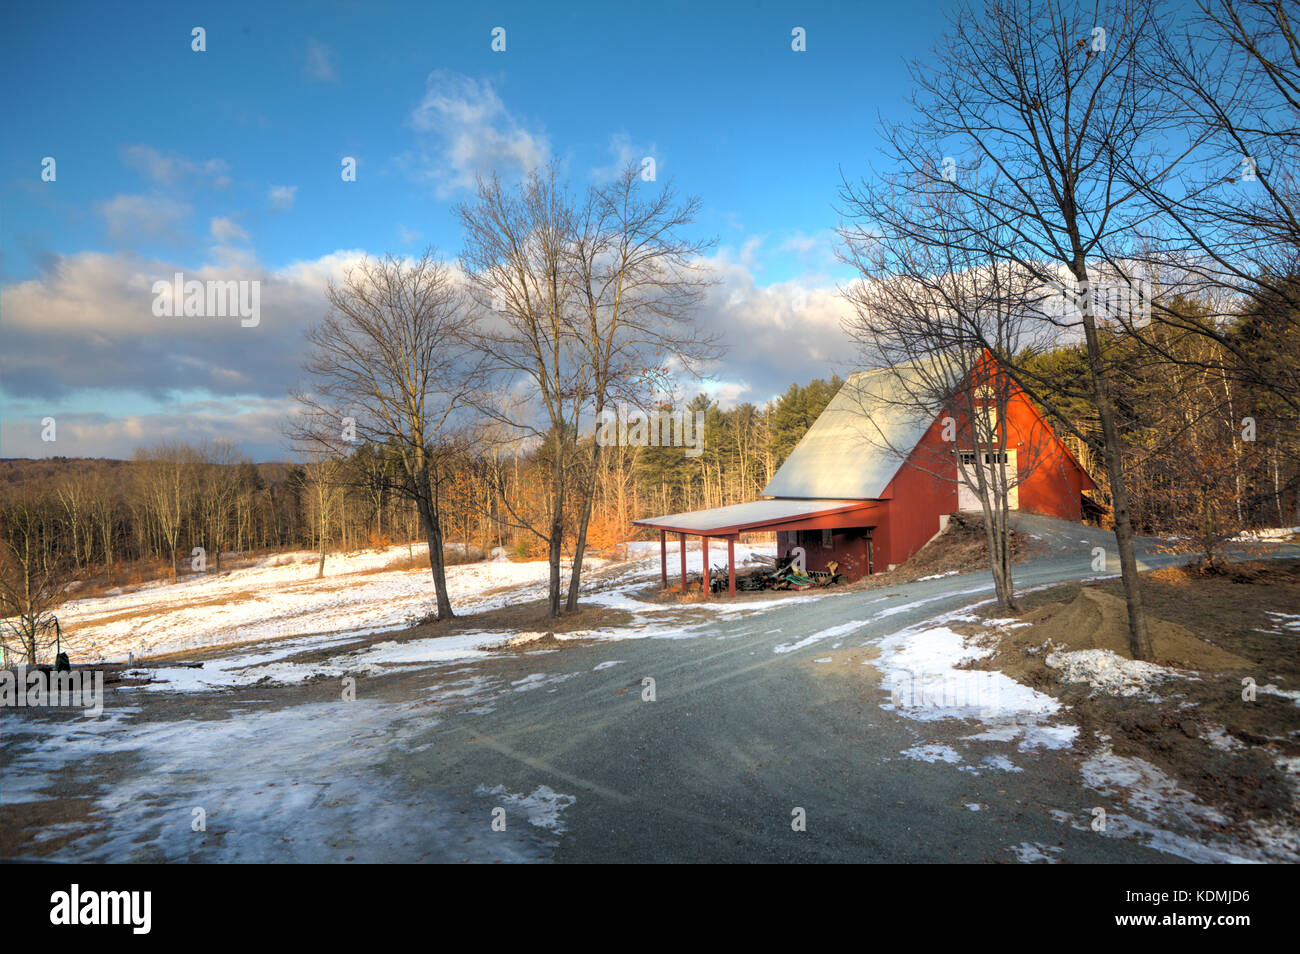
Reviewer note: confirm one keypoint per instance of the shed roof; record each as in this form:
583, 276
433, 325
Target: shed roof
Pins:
858, 443
755, 515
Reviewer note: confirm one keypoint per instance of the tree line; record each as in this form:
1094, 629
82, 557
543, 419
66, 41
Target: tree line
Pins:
176, 509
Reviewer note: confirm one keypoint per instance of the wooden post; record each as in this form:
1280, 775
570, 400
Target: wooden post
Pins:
704, 555
663, 559
682, 537
731, 567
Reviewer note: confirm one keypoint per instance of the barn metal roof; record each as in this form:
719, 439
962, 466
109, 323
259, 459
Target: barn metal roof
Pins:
858, 443
747, 516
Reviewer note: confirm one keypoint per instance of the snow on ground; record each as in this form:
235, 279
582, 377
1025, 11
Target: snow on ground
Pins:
920, 667
1111, 673
361, 593
1265, 535
542, 808
1036, 853
932, 752
277, 609
1286, 623
921, 676
263, 790
842, 629
1161, 815
280, 597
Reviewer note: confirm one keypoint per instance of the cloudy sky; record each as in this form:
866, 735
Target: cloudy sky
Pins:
226, 164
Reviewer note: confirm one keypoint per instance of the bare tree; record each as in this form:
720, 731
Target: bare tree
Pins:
587, 301
321, 470
518, 262
391, 366
1226, 229
34, 572
218, 487
105, 503
942, 316
74, 496
165, 476
638, 281
1035, 116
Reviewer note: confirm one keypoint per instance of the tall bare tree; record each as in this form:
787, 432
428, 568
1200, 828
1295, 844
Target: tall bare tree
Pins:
1035, 115
586, 300
941, 317
1226, 229
390, 365
35, 569
638, 280
165, 477
517, 258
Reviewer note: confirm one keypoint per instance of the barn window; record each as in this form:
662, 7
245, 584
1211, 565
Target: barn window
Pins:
826, 540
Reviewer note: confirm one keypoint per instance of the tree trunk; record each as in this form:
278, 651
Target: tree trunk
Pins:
556, 537
432, 527
1139, 638
580, 548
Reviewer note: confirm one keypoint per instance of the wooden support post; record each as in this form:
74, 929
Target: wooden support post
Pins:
731, 567
663, 559
704, 555
682, 537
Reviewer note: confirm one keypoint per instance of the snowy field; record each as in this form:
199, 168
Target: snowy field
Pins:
361, 593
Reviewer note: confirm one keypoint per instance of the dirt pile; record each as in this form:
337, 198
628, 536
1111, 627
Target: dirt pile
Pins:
961, 547
1098, 620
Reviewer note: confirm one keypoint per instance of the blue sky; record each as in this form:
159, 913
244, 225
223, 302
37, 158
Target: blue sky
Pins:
227, 163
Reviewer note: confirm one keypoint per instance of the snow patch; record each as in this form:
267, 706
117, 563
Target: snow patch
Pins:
543, 808
932, 752
1109, 673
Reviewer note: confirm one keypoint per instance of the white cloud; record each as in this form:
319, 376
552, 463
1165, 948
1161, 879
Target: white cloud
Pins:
132, 217
407, 236
466, 131
624, 152
818, 248
174, 170
82, 339
88, 323
281, 197
776, 334
256, 425
320, 62
225, 230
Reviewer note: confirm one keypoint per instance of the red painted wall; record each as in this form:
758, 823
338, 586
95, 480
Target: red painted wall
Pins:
923, 490
849, 534
1050, 481
848, 549
925, 487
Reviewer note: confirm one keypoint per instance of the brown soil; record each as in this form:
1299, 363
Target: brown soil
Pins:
1216, 624
1095, 619
961, 547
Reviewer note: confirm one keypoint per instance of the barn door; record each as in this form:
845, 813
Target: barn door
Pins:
968, 495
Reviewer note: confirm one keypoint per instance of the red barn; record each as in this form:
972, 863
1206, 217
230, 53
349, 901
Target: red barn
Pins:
873, 479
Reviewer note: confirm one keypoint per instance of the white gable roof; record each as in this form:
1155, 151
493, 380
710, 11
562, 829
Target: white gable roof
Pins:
752, 515
857, 445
